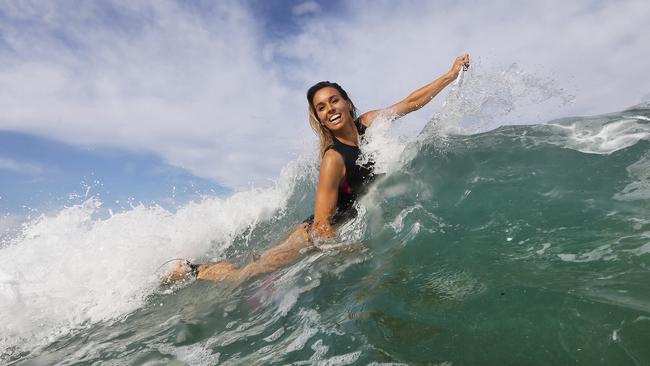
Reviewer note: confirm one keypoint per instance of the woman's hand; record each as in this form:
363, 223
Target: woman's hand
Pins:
459, 63
322, 231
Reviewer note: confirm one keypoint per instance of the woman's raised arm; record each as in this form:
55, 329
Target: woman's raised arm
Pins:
420, 97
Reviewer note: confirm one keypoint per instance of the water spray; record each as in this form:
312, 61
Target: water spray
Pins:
459, 79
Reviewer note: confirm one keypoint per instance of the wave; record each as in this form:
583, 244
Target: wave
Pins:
478, 240
77, 267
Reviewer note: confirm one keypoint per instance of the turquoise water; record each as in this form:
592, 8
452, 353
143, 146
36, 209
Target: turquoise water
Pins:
523, 245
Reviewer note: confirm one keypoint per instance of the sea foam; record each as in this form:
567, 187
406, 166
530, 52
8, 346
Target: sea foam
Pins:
73, 268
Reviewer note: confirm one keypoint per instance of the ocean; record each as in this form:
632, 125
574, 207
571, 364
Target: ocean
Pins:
483, 244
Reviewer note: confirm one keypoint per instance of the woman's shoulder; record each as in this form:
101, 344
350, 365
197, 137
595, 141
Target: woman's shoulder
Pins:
332, 155
332, 163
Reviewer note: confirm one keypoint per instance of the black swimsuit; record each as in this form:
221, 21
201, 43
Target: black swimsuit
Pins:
354, 183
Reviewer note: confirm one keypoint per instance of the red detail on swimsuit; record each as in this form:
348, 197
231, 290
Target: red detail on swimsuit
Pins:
344, 186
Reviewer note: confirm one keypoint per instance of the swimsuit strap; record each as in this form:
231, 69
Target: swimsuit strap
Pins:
327, 148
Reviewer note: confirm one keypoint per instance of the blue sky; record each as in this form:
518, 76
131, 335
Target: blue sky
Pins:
36, 173
146, 96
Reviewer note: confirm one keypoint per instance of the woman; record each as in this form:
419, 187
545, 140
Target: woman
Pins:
333, 116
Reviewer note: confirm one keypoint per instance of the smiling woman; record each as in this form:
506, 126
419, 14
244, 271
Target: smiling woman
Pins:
333, 117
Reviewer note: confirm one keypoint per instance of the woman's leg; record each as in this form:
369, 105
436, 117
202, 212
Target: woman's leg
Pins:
293, 247
279, 255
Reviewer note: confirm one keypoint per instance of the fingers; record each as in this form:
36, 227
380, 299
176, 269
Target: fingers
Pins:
461, 63
464, 61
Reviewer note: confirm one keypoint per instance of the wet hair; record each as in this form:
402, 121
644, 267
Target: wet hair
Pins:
324, 134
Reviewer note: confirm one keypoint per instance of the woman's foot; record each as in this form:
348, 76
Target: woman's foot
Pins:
181, 270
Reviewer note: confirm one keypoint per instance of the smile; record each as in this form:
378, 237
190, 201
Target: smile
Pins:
335, 118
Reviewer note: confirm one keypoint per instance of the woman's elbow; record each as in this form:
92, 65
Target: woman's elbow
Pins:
409, 107
403, 108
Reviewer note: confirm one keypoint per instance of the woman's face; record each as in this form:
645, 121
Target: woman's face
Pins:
332, 110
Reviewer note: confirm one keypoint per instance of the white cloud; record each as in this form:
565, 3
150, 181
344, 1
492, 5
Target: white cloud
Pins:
307, 7
159, 77
20, 166
383, 50
207, 91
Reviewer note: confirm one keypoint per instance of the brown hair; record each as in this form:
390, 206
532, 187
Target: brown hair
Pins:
324, 134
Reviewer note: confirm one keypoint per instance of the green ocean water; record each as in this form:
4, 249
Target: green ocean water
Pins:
524, 245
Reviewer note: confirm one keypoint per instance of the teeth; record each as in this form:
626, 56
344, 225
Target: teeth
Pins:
335, 117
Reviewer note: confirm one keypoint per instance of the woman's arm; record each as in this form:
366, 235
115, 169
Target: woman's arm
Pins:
420, 97
332, 169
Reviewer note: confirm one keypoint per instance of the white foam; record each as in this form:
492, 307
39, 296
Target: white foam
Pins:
599, 137
544, 247
72, 269
307, 331
604, 252
198, 354
275, 336
641, 318
382, 145
487, 100
340, 360
643, 249
290, 298
10, 226
398, 223
639, 188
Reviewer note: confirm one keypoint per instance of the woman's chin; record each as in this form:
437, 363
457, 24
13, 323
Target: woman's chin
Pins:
339, 125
